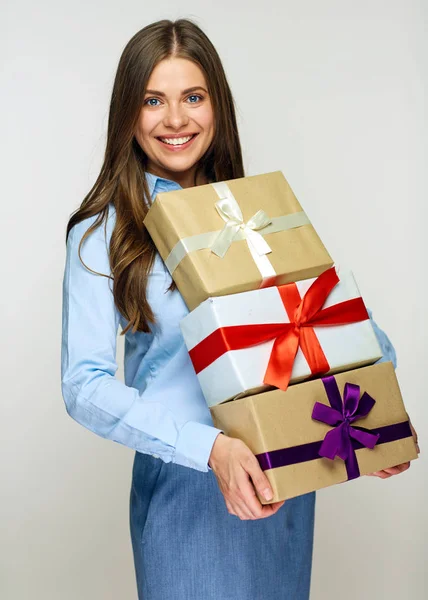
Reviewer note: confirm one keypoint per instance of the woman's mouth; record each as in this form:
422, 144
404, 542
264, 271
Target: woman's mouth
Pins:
177, 143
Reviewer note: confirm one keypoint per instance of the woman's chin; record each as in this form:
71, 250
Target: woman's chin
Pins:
178, 164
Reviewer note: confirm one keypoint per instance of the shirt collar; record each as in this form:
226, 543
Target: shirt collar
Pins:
160, 184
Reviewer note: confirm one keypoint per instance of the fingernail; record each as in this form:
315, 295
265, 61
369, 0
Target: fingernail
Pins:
267, 494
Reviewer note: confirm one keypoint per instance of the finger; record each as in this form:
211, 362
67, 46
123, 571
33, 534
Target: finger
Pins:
271, 509
248, 500
392, 470
229, 508
243, 513
258, 477
398, 468
276, 506
249, 503
234, 510
259, 510
239, 496
242, 510
232, 500
381, 474
267, 510
403, 467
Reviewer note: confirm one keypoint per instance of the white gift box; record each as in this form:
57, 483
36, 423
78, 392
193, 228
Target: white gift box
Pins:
238, 373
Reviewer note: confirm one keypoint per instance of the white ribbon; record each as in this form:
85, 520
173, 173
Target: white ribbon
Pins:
230, 211
234, 230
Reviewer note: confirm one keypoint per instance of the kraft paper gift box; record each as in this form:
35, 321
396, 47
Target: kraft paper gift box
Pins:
233, 236
363, 427
243, 343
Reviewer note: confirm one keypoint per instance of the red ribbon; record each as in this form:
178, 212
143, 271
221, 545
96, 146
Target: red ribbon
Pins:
304, 315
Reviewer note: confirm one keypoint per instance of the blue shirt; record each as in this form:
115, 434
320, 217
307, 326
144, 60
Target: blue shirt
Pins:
160, 409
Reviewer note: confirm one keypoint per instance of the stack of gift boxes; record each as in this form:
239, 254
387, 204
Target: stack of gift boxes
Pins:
279, 337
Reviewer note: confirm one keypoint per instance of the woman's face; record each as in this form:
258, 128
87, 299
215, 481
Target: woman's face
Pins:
176, 122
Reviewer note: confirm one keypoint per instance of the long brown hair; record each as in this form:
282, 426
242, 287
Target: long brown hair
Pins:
122, 180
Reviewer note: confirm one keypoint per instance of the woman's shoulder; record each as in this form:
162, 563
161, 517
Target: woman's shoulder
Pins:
94, 249
101, 233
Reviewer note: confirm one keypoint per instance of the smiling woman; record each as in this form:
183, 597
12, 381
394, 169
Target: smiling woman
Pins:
197, 527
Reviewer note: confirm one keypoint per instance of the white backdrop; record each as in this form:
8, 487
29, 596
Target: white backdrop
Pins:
331, 93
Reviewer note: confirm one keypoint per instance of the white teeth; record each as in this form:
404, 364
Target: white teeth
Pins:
176, 141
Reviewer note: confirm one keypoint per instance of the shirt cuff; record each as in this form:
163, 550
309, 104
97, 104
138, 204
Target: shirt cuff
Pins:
194, 445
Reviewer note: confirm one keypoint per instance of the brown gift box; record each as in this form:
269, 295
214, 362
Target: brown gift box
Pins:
276, 419
297, 253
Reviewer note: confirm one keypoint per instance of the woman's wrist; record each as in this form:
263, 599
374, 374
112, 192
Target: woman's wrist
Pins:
214, 451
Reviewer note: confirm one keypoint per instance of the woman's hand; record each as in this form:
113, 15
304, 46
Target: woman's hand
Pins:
398, 468
238, 472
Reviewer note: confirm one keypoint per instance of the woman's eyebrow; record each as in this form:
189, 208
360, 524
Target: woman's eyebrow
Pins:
187, 91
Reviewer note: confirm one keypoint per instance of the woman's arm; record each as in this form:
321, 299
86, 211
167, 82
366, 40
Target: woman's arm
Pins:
92, 394
388, 350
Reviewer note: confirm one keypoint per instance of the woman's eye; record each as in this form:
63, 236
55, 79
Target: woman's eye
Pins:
149, 100
194, 96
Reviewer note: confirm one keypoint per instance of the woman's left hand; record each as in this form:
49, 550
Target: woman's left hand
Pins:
385, 473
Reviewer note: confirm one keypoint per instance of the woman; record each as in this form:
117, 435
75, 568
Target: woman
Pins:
171, 125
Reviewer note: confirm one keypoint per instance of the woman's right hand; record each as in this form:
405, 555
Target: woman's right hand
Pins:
238, 472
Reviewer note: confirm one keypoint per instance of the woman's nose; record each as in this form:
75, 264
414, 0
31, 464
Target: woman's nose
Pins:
176, 116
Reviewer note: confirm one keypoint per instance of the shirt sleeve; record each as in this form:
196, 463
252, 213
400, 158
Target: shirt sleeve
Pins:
93, 396
388, 350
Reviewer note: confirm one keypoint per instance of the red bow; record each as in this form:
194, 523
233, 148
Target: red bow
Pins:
304, 315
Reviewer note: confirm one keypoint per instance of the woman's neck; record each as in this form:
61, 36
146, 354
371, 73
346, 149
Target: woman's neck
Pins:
185, 179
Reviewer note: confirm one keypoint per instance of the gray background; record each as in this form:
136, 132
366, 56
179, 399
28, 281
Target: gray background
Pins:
333, 94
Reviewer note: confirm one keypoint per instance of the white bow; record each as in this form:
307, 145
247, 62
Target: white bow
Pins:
230, 212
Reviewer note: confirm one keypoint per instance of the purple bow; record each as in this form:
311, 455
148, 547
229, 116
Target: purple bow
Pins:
340, 440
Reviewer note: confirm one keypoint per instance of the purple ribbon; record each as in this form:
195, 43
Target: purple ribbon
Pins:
344, 439
293, 455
